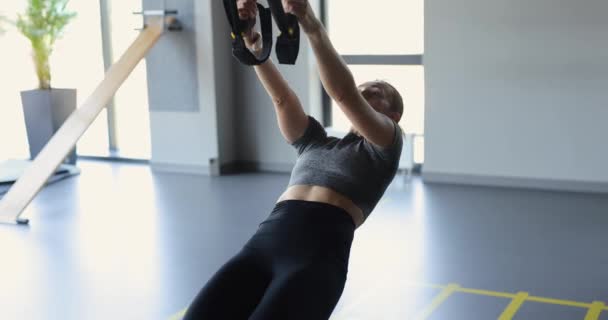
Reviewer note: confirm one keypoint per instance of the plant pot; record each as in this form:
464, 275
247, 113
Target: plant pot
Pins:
44, 112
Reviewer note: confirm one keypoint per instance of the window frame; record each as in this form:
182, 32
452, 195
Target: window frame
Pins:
363, 59
105, 10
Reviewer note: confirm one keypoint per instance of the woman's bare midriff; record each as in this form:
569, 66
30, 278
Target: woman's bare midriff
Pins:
324, 195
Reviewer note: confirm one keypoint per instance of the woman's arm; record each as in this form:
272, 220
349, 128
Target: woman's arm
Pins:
337, 79
291, 117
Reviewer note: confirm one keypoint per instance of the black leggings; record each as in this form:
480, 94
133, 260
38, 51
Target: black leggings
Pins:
294, 267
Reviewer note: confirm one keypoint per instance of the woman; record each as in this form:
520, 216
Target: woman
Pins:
295, 265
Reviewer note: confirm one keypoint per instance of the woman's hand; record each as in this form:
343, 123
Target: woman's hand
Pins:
253, 41
303, 11
248, 11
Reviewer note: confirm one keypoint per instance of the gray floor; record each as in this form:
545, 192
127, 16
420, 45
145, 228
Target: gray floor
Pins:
119, 242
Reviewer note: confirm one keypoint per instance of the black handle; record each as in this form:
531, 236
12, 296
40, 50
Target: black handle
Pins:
238, 26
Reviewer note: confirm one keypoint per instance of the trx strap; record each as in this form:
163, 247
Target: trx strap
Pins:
239, 50
288, 42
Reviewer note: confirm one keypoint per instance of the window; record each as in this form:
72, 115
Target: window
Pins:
97, 37
383, 40
130, 119
17, 75
381, 27
76, 62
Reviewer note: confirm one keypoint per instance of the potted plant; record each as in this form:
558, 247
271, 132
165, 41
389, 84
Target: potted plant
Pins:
45, 108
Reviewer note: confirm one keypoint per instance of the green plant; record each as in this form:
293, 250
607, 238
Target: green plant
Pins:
43, 23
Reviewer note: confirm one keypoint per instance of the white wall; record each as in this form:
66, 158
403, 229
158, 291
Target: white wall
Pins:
225, 85
516, 89
186, 138
233, 122
260, 142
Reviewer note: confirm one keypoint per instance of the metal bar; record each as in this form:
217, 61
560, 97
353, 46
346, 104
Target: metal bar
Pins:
115, 159
325, 99
156, 12
413, 59
108, 59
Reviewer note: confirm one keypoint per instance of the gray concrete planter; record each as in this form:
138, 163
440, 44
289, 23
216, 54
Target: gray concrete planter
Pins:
44, 112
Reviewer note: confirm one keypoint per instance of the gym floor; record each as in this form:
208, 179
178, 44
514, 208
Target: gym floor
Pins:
120, 242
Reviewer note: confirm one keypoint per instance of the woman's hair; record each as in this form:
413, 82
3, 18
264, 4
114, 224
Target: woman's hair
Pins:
395, 99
